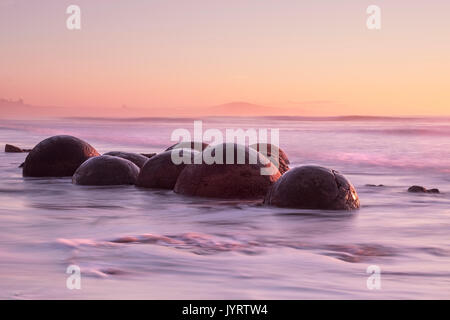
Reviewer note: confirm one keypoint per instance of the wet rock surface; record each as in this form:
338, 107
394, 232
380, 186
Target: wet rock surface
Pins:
267, 149
313, 187
148, 155
420, 189
106, 170
161, 172
57, 156
13, 148
233, 180
136, 158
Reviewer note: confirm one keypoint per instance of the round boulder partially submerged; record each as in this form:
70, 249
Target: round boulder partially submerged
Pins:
246, 175
57, 156
161, 171
137, 159
268, 149
313, 187
106, 170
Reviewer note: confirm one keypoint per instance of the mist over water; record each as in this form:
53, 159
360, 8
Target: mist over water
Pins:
144, 243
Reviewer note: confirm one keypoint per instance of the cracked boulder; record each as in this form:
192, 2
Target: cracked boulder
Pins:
313, 187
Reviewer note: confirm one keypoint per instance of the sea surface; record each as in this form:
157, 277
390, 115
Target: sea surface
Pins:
133, 243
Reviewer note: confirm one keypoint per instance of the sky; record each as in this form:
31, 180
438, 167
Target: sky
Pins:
166, 57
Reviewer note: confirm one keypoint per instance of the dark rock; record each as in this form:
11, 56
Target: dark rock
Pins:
420, 189
136, 158
187, 145
161, 172
21, 165
106, 170
283, 162
374, 185
313, 187
417, 189
12, 148
148, 155
238, 181
57, 156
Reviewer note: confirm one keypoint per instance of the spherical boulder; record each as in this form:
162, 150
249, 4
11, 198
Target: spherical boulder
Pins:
161, 171
106, 170
313, 187
137, 159
282, 162
188, 145
246, 175
57, 156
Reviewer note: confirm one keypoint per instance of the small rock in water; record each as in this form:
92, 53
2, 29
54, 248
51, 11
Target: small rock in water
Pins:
57, 156
136, 158
420, 189
374, 185
106, 170
12, 148
313, 187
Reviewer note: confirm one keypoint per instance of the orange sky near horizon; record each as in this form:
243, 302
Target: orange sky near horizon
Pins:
304, 57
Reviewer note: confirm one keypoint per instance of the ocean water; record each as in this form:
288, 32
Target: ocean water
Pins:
154, 244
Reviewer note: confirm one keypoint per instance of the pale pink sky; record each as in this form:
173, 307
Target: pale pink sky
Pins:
186, 54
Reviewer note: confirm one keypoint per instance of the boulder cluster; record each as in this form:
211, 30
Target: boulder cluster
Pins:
228, 170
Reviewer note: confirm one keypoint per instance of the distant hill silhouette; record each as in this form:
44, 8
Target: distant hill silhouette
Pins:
18, 109
240, 108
